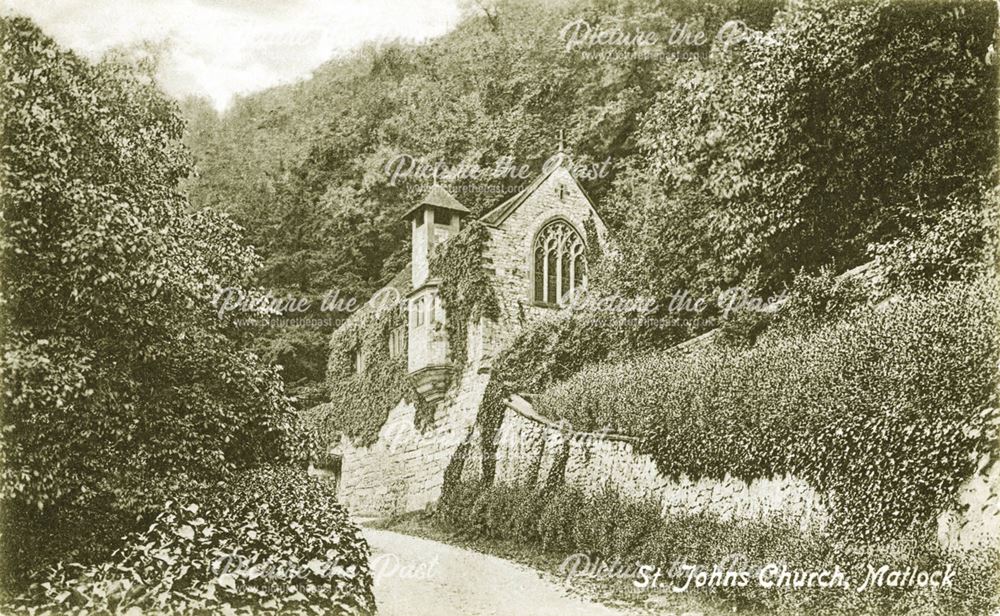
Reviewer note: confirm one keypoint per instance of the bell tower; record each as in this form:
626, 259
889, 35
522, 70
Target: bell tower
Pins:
432, 221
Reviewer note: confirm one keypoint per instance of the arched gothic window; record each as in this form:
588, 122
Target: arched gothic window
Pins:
560, 266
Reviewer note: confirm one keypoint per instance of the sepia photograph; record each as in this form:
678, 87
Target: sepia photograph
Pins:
499, 307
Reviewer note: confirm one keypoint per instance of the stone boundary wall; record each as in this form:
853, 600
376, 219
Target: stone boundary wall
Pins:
529, 448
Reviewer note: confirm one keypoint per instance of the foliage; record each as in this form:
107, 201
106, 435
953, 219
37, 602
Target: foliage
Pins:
359, 403
466, 289
957, 244
268, 541
488, 420
121, 384
738, 162
890, 408
812, 300
811, 142
303, 166
611, 528
542, 354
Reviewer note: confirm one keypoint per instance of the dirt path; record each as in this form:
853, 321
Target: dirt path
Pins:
418, 577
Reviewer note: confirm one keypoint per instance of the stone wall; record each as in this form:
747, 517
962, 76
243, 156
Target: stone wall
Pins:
529, 447
404, 469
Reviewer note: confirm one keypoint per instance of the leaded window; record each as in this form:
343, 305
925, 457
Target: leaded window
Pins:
560, 267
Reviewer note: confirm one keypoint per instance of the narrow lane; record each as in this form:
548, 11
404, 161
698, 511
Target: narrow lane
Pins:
419, 577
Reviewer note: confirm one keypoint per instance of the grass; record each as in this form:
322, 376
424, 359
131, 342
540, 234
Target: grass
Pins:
617, 593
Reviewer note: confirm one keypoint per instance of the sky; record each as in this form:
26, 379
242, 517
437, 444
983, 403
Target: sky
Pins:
220, 48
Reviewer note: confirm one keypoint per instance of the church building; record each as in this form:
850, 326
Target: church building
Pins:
536, 257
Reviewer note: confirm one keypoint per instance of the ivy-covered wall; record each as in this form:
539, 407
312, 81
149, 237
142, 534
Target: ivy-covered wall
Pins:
393, 445
359, 402
404, 469
891, 408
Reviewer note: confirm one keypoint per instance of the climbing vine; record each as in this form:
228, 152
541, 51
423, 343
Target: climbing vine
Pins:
466, 287
360, 401
542, 355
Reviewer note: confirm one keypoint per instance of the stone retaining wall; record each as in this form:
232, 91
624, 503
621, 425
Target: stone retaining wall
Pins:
529, 448
404, 469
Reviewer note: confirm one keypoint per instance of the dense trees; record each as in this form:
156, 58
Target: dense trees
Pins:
824, 140
121, 385
303, 167
806, 134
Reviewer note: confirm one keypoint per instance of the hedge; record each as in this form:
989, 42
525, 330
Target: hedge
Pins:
889, 410
271, 540
121, 382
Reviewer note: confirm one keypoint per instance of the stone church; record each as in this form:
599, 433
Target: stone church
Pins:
537, 257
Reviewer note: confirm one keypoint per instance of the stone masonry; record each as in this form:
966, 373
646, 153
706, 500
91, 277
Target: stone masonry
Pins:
528, 446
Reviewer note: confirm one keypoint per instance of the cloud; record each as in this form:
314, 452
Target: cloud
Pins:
220, 48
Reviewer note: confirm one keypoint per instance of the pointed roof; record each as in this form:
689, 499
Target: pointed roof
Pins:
438, 197
500, 213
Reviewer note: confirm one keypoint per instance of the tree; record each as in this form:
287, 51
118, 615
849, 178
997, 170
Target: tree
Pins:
303, 167
840, 129
121, 385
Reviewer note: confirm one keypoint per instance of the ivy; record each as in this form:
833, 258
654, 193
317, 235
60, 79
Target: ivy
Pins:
359, 403
595, 255
887, 408
466, 287
553, 349
489, 418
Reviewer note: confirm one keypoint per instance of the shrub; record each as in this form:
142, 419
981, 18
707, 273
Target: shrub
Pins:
612, 528
121, 383
527, 510
555, 525
890, 409
271, 540
957, 243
